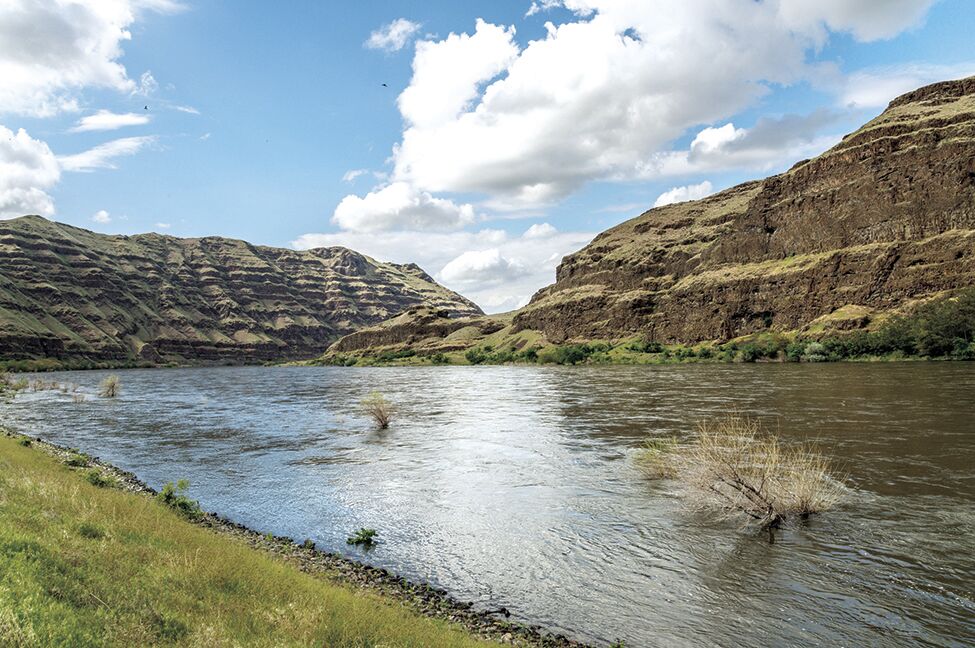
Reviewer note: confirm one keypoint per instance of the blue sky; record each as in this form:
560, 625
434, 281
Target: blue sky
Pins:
512, 145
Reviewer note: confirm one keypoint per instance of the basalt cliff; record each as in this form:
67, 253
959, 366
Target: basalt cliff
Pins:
883, 220
77, 296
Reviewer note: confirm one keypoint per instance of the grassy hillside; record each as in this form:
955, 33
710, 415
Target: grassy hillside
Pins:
82, 565
81, 297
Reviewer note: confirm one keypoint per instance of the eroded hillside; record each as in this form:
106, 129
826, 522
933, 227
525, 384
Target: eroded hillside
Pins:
70, 294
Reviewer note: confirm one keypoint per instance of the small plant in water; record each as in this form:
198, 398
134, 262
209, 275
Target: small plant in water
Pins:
380, 409
174, 496
735, 466
363, 538
110, 387
657, 458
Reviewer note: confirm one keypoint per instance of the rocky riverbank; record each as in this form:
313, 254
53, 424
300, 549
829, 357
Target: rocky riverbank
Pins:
420, 597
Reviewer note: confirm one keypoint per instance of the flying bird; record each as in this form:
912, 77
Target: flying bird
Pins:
145, 107
385, 86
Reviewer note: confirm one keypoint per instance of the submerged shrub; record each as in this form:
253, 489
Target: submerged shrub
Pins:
110, 387
363, 537
656, 459
735, 466
174, 496
380, 409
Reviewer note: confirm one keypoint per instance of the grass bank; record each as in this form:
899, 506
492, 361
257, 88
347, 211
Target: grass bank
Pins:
96, 561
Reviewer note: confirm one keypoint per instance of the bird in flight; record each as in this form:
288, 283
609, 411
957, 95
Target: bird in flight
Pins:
145, 107
385, 86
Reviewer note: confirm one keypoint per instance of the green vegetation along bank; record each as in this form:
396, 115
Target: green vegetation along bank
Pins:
942, 329
89, 556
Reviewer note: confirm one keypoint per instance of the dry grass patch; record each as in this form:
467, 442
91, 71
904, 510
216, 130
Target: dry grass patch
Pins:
110, 387
734, 466
380, 409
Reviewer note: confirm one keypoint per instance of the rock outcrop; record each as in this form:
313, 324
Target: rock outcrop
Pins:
881, 220
70, 294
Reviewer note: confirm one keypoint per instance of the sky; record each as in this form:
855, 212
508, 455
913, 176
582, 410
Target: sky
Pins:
483, 141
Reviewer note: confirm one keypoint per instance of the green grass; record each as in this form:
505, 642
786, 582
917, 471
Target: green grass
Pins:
87, 566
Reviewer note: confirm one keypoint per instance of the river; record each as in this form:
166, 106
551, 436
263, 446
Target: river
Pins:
518, 486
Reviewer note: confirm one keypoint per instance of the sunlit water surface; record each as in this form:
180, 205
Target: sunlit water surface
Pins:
517, 486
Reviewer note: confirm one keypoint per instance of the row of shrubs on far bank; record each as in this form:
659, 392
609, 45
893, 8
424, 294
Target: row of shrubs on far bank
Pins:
943, 329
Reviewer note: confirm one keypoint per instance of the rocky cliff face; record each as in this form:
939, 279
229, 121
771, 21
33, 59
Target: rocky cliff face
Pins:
885, 217
68, 293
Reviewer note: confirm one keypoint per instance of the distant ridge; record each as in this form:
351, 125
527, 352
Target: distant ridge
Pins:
73, 295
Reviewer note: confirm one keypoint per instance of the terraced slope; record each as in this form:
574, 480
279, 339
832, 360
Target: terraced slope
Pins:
880, 221
70, 294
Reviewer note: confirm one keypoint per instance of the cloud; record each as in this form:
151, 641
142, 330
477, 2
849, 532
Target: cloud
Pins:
447, 73
524, 264
164, 226
399, 206
683, 194
147, 84
542, 5
481, 268
102, 216
394, 36
875, 87
540, 230
103, 155
625, 207
28, 169
105, 120
50, 50
190, 110
352, 174
771, 142
600, 96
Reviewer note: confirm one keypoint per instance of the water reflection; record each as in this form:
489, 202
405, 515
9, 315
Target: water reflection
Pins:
516, 486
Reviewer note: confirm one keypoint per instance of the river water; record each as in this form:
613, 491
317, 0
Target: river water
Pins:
517, 486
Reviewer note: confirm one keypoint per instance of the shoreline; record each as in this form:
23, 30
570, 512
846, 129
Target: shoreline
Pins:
422, 598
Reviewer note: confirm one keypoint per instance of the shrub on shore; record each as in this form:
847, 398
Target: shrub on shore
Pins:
380, 409
110, 387
174, 496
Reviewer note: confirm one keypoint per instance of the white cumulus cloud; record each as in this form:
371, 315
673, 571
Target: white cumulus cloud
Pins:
481, 268
393, 36
683, 194
105, 120
28, 169
400, 206
102, 216
600, 96
52, 49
